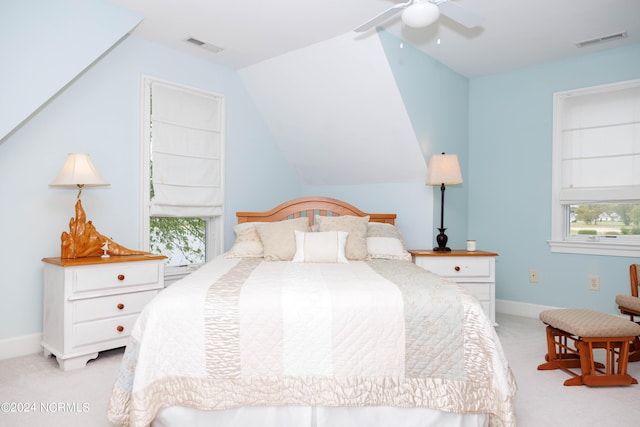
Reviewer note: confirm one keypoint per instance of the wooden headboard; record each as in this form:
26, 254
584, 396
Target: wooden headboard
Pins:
309, 207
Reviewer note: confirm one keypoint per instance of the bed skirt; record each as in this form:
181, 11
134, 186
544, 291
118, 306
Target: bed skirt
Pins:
306, 416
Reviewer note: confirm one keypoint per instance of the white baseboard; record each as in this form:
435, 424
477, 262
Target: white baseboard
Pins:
521, 308
20, 346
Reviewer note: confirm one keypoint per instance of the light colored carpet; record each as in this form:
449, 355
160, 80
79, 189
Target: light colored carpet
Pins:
52, 397
79, 398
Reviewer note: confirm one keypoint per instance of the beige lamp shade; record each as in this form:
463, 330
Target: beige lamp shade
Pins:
78, 171
444, 169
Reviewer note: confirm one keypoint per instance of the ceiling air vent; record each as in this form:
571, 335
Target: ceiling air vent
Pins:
602, 39
208, 46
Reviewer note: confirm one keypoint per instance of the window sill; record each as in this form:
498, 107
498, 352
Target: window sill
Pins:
173, 274
594, 248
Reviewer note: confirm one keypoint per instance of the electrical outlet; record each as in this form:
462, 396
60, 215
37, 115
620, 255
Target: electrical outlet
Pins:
594, 282
533, 276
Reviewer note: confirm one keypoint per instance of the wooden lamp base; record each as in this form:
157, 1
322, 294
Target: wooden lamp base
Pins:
83, 240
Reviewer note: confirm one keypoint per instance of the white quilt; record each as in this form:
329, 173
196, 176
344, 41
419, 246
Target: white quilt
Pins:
243, 332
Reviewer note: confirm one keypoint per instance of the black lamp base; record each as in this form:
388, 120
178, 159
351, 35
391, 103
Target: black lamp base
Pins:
441, 239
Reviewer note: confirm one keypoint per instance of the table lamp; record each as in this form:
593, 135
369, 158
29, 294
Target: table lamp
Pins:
83, 240
443, 169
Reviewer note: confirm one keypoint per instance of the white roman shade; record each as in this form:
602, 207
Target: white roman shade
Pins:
600, 145
186, 152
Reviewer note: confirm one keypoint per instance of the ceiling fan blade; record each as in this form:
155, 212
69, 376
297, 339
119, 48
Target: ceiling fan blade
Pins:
459, 14
378, 19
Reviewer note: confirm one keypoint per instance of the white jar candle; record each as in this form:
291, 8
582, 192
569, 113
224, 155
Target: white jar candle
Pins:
471, 245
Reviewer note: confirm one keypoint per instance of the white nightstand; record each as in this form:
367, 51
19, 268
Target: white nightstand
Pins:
475, 271
91, 304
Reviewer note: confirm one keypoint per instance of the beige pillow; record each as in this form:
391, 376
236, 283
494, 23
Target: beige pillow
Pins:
327, 246
385, 241
247, 244
278, 238
356, 226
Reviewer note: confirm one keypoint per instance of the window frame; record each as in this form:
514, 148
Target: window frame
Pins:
561, 240
214, 226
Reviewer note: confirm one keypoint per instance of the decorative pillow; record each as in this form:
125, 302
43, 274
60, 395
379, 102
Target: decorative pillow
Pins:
385, 241
326, 246
278, 238
356, 226
247, 244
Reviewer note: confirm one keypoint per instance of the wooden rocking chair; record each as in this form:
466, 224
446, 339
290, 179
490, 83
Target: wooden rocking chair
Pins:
630, 306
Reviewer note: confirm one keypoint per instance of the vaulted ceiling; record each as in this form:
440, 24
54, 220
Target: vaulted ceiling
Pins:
336, 113
319, 85
514, 33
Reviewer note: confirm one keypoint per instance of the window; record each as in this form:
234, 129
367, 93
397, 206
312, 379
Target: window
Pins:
596, 170
182, 174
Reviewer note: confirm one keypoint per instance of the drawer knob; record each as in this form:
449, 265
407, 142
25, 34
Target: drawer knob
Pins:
456, 268
120, 306
120, 277
120, 328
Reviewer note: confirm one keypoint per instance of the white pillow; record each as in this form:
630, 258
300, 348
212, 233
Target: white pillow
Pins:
325, 246
247, 244
385, 241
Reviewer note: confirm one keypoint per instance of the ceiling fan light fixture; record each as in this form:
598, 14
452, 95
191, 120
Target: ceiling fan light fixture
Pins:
420, 14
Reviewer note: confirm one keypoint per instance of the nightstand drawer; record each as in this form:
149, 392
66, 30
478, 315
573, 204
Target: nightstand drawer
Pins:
111, 306
473, 270
103, 330
468, 267
115, 276
481, 291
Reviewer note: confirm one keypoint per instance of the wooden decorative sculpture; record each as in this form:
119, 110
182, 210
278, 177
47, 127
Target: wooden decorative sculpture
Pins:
83, 240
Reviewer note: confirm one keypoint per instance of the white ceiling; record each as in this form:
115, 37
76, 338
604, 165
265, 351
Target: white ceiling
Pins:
515, 33
329, 122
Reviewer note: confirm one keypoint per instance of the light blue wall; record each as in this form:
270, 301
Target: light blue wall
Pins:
510, 181
99, 114
436, 99
59, 36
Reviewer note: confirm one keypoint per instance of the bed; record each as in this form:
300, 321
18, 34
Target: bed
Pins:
316, 316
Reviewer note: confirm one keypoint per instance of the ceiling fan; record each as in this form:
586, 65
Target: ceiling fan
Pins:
422, 13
